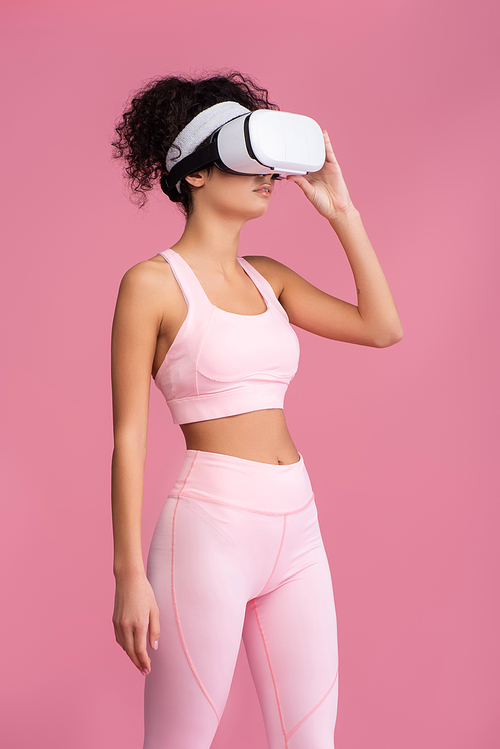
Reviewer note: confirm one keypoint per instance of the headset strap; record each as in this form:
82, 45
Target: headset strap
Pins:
197, 160
209, 154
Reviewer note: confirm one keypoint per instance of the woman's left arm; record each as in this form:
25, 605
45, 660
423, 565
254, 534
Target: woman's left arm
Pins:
375, 320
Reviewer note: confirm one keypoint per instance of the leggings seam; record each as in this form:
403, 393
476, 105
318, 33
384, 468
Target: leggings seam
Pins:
314, 708
272, 674
176, 611
277, 557
182, 495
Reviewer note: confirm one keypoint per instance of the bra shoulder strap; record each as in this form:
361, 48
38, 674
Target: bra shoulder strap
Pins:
264, 287
191, 289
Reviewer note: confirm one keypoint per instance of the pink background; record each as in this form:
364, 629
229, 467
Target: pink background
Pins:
399, 442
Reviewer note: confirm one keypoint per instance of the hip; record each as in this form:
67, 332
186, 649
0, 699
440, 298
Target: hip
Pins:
264, 488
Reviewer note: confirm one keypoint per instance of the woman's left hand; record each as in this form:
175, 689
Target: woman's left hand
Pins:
326, 188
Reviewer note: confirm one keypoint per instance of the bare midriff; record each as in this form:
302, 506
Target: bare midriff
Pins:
262, 436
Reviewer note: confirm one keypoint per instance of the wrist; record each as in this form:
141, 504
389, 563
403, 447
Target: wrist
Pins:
128, 570
344, 216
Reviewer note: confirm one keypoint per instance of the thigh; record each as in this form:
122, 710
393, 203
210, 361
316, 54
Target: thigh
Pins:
290, 636
198, 585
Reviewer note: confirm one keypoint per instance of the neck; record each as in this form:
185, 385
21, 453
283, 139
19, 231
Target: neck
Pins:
210, 240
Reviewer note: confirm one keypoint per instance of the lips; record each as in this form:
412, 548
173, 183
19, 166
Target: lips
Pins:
264, 189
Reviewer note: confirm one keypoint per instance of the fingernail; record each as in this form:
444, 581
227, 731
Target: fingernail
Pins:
144, 671
155, 645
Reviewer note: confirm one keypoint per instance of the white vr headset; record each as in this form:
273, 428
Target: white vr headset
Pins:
264, 141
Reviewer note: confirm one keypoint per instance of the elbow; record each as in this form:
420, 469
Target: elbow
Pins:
388, 338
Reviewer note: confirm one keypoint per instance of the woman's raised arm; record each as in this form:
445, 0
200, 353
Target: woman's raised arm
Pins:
374, 321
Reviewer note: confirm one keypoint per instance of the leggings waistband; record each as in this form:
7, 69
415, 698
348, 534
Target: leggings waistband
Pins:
265, 488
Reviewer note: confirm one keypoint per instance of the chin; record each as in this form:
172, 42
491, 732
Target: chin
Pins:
248, 215
257, 214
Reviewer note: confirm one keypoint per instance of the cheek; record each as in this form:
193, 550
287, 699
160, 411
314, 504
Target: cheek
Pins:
234, 194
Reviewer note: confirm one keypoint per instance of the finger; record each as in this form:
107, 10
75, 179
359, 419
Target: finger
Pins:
129, 646
120, 634
330, 156
304, 184
140, 639
154, 628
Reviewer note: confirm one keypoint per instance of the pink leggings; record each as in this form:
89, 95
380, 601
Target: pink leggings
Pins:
237, 552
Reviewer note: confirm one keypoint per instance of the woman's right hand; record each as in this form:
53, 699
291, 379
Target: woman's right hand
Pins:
135, 611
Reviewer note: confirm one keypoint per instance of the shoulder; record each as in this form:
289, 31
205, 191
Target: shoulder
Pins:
147, 274
149, 279
149, 291
273, 271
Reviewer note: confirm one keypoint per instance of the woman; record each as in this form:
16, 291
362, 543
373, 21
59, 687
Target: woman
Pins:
237, 551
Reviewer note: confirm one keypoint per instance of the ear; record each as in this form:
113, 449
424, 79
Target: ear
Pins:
197, 179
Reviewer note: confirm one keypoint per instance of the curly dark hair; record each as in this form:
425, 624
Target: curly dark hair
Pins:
160, 110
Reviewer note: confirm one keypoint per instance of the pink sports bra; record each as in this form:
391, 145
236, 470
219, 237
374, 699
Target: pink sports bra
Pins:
222, 363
